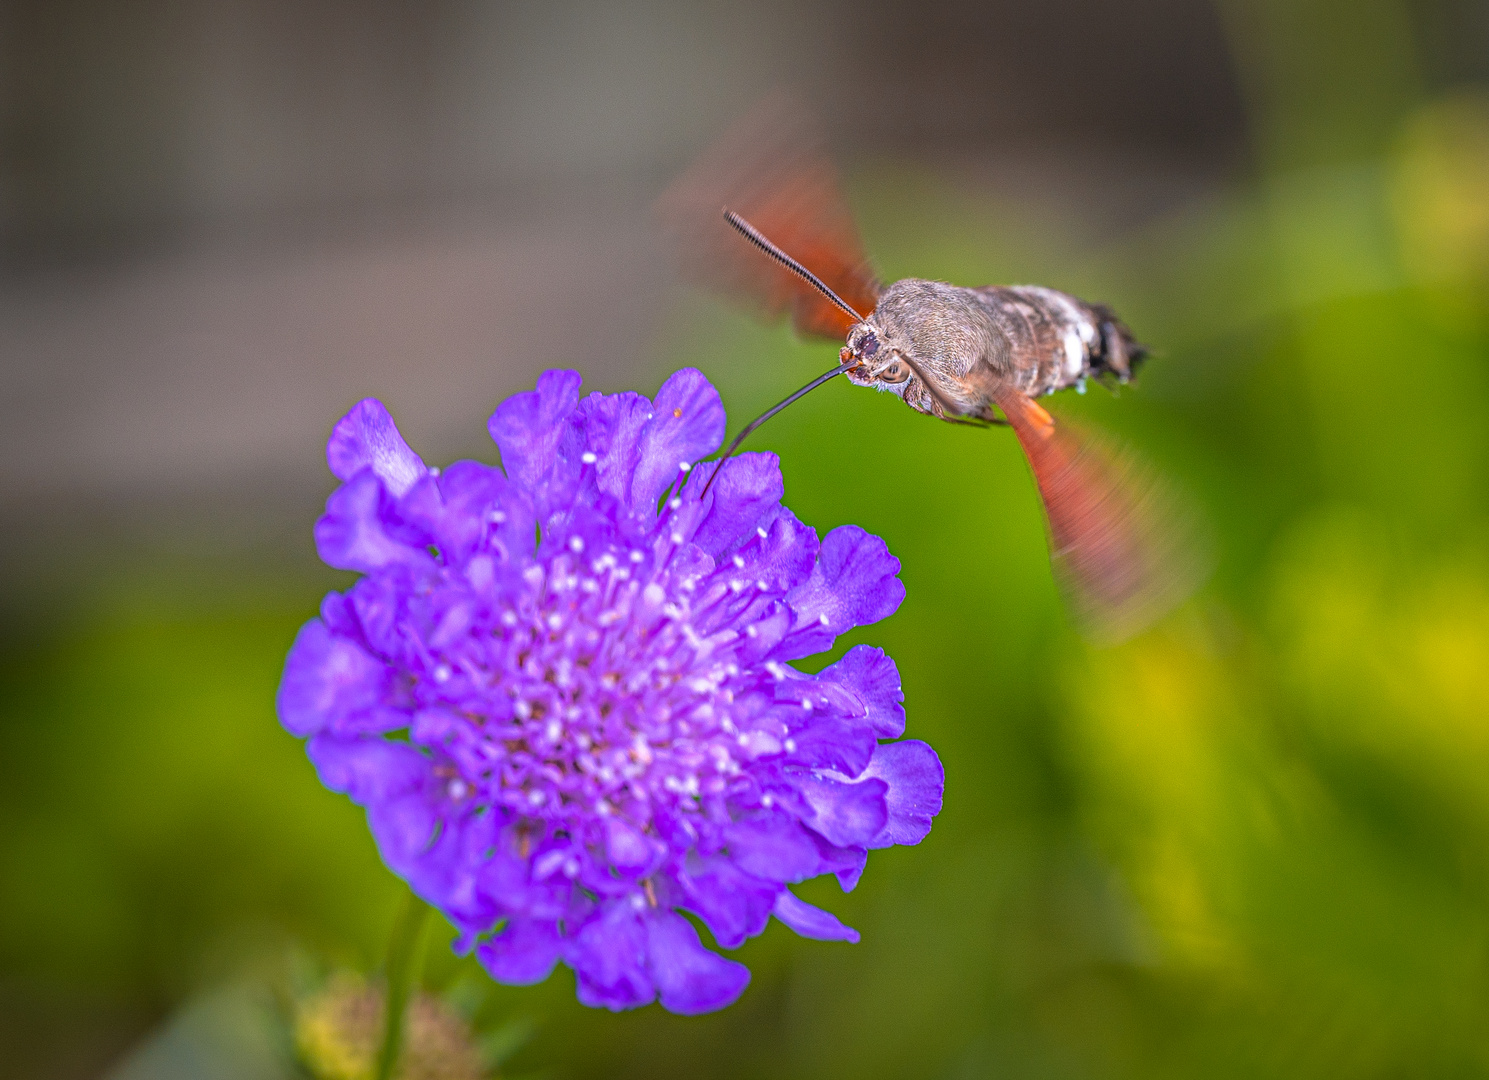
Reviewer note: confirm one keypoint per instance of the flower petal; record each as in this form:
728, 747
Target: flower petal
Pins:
453, 737
784, 557
855, 583
404, 829
846, 863
354, 534
691, 979
773, 847
455, 509
612, 430
609, 958
875, 681
388, 779
841, 745
629, 850
916, 779
327, 678
367, 438
368, 770
524, 953
747, 489
687, 423
429, 845
733, 904
535, 431
504, 876
847, 814
763, 630
811, 922
446, 871
375, 605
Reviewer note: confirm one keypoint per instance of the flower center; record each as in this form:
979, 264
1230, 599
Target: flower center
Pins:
604, 696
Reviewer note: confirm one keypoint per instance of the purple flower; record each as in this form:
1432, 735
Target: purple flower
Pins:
564, 693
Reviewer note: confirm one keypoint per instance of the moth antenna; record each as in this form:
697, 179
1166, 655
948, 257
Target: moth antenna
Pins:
756, 237
767, 414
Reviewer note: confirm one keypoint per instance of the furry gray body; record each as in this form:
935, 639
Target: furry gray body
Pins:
968, 340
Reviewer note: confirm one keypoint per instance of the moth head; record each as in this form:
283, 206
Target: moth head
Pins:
876, 362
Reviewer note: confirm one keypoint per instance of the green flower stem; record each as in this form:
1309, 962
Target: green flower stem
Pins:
402, 972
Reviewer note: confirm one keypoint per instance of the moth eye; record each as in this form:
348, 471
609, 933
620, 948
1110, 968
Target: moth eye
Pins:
895, 373
868, 346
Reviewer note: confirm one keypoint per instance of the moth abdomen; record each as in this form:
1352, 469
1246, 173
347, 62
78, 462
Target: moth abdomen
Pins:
1057, 341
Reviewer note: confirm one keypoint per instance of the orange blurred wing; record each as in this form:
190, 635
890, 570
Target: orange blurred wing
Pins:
1122, 549
771, 169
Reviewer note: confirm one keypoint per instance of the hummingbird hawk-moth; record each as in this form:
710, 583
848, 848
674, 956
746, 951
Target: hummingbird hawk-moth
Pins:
761, 217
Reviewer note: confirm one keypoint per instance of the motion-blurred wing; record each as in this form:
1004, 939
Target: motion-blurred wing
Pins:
1123, 550
772, 171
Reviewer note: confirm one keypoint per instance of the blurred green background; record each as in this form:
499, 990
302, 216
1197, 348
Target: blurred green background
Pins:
1252, 842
